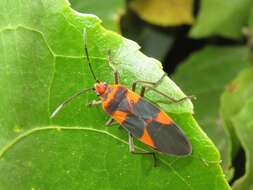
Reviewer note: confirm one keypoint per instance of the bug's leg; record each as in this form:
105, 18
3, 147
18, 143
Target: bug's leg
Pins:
94, 103
173, 100
143, 89
116, 73
133, 151
153, 84
110, 122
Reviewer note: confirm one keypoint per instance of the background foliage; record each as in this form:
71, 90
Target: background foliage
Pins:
201, 44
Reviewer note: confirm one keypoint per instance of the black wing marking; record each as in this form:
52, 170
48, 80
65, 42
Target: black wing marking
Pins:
169, 138
134, 124
137, 115
145, 109
142, 108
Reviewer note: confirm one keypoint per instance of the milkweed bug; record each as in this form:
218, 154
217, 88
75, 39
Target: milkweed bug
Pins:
139, 117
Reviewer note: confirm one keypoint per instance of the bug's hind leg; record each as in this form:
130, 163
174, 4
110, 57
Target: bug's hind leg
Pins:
173, 100
152, 86
115, 72
143, 89
133, 151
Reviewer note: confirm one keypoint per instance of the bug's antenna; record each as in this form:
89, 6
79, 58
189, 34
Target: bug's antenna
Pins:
87, 54
69, 100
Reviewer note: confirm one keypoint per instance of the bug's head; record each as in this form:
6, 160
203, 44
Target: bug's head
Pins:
100, 88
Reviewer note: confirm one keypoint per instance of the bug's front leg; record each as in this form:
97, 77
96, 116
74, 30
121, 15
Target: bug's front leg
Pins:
94, 103
133, 151
99, 102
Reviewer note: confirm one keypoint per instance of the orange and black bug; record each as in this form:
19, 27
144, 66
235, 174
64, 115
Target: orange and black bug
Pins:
140, 118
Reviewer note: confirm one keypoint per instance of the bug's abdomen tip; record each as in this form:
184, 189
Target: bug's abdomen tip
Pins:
169, 139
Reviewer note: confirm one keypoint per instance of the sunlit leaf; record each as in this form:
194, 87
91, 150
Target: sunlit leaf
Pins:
164, 12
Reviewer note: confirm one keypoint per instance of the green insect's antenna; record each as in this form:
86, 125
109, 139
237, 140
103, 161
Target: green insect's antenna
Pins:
69, 100
87, 54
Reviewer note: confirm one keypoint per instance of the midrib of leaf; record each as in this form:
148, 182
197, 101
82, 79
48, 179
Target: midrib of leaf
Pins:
57, 128
15, 28
29, 132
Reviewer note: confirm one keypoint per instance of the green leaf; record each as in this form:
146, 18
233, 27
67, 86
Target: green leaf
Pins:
42, 63
251, 19
233, 99
108, 11
205, 74
243, 123
234, 109
164, 12
221, 17
153, 42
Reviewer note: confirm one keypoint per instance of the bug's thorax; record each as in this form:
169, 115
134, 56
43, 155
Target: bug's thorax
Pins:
112, 97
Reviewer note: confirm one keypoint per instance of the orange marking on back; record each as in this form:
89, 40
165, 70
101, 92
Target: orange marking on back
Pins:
110, 96
119, 116
132, 97
145, 138
163, 118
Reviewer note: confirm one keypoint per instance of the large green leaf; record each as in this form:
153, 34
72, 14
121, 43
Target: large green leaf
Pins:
243, 123
205, 74
108, 11
232, 101
251, 20
221, 17
42, 63
237, 116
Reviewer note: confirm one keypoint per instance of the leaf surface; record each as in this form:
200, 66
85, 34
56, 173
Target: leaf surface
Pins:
244, 127
205, 75
237, 115
42, 63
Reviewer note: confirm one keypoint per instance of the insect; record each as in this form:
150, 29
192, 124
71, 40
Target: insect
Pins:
142, 119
